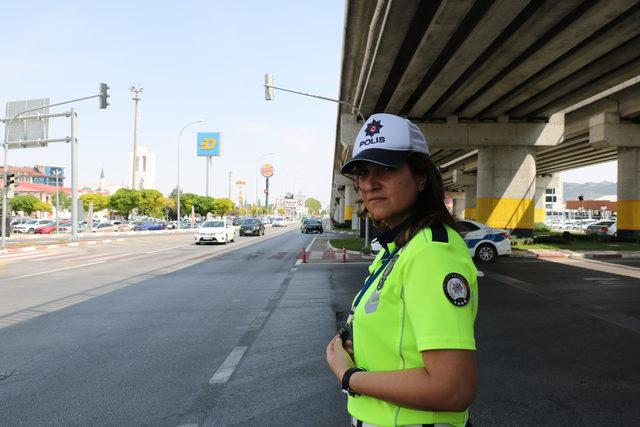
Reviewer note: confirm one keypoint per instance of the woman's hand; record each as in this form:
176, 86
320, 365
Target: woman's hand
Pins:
338, 358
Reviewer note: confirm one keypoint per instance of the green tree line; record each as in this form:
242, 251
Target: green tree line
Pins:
125, 201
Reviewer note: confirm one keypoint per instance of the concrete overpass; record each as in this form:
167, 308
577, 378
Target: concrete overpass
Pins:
489, 83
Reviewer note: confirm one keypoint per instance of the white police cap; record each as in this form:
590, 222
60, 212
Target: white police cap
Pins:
387, 140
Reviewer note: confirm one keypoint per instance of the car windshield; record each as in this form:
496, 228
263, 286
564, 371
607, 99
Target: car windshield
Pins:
313, 222
31, 221
251, 222
216, 224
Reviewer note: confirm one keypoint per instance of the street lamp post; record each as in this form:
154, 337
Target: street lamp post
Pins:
178, 203
257, 163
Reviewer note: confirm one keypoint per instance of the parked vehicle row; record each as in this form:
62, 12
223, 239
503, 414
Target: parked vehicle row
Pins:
603, 228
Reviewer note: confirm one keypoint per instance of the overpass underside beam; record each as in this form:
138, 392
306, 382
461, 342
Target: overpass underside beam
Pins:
506, 188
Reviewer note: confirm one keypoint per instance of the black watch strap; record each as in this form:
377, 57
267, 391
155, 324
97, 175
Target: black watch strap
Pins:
345, 380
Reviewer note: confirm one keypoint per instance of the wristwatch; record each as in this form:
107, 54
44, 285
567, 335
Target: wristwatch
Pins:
345, 381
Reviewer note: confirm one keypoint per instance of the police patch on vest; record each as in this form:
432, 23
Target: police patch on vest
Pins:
456, 289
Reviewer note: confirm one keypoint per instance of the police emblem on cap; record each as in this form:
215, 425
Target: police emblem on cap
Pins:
373, 127
456, 289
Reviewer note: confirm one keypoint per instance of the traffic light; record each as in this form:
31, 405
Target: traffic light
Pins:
580, 197
104, 95
11, 184
268, 87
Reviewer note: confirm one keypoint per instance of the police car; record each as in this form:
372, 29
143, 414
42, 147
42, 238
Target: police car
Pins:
484, 243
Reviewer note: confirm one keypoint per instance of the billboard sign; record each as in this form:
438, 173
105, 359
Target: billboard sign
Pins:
267, 170
208, 144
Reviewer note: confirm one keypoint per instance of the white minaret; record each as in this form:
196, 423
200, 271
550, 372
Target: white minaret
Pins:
102, 186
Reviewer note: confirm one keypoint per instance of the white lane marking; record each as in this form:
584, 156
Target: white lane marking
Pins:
308, 248
258, 321
56, 270
73, 244
168, 249
29, 249
225, 370
91, 242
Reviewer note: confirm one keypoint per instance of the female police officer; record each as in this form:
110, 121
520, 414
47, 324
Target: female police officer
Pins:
412, 359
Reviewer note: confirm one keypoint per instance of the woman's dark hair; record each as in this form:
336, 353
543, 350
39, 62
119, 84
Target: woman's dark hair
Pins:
429, 208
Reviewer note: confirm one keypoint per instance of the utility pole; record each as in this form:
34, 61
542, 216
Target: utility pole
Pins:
230, 174
134, 170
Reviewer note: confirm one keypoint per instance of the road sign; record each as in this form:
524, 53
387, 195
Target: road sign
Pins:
208, 144
28, 129
267, 170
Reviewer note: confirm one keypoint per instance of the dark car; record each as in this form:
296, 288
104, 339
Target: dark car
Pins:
148, 225
252, 226
311, 225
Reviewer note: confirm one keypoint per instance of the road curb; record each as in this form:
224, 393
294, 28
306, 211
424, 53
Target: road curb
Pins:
576, 255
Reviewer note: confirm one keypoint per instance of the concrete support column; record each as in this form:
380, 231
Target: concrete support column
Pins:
628, 216
470, 192
506, 187
340, 210
605, 131
457, 203
540, 213
469, 183
348, 204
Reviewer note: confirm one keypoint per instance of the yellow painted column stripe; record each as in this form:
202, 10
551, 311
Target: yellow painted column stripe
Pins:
540, 215
628, 215
506, 213
348, 211
469, 213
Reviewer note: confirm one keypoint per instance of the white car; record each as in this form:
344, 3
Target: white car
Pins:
484, 243
279, 222
216, 230
30, 226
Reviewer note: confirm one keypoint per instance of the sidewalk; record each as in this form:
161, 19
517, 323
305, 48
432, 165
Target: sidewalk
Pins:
321, 251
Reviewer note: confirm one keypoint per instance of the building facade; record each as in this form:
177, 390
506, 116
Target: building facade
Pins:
146, 170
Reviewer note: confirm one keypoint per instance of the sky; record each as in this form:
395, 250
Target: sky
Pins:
195, 60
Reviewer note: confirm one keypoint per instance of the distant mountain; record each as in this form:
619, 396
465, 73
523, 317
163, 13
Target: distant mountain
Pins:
590, 190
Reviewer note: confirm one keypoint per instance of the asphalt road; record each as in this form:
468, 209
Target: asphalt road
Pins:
164, 332
168, 333
558, 341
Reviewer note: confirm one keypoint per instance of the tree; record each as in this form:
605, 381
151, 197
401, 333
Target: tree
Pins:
42, 207
170, 207
24, 203
174, 193
223, 206
314, 205
151, 203
124, 201
100, 201
65, 200
187, 200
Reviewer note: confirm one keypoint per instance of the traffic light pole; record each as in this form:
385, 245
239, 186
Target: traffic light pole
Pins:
4, 199
103, 95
